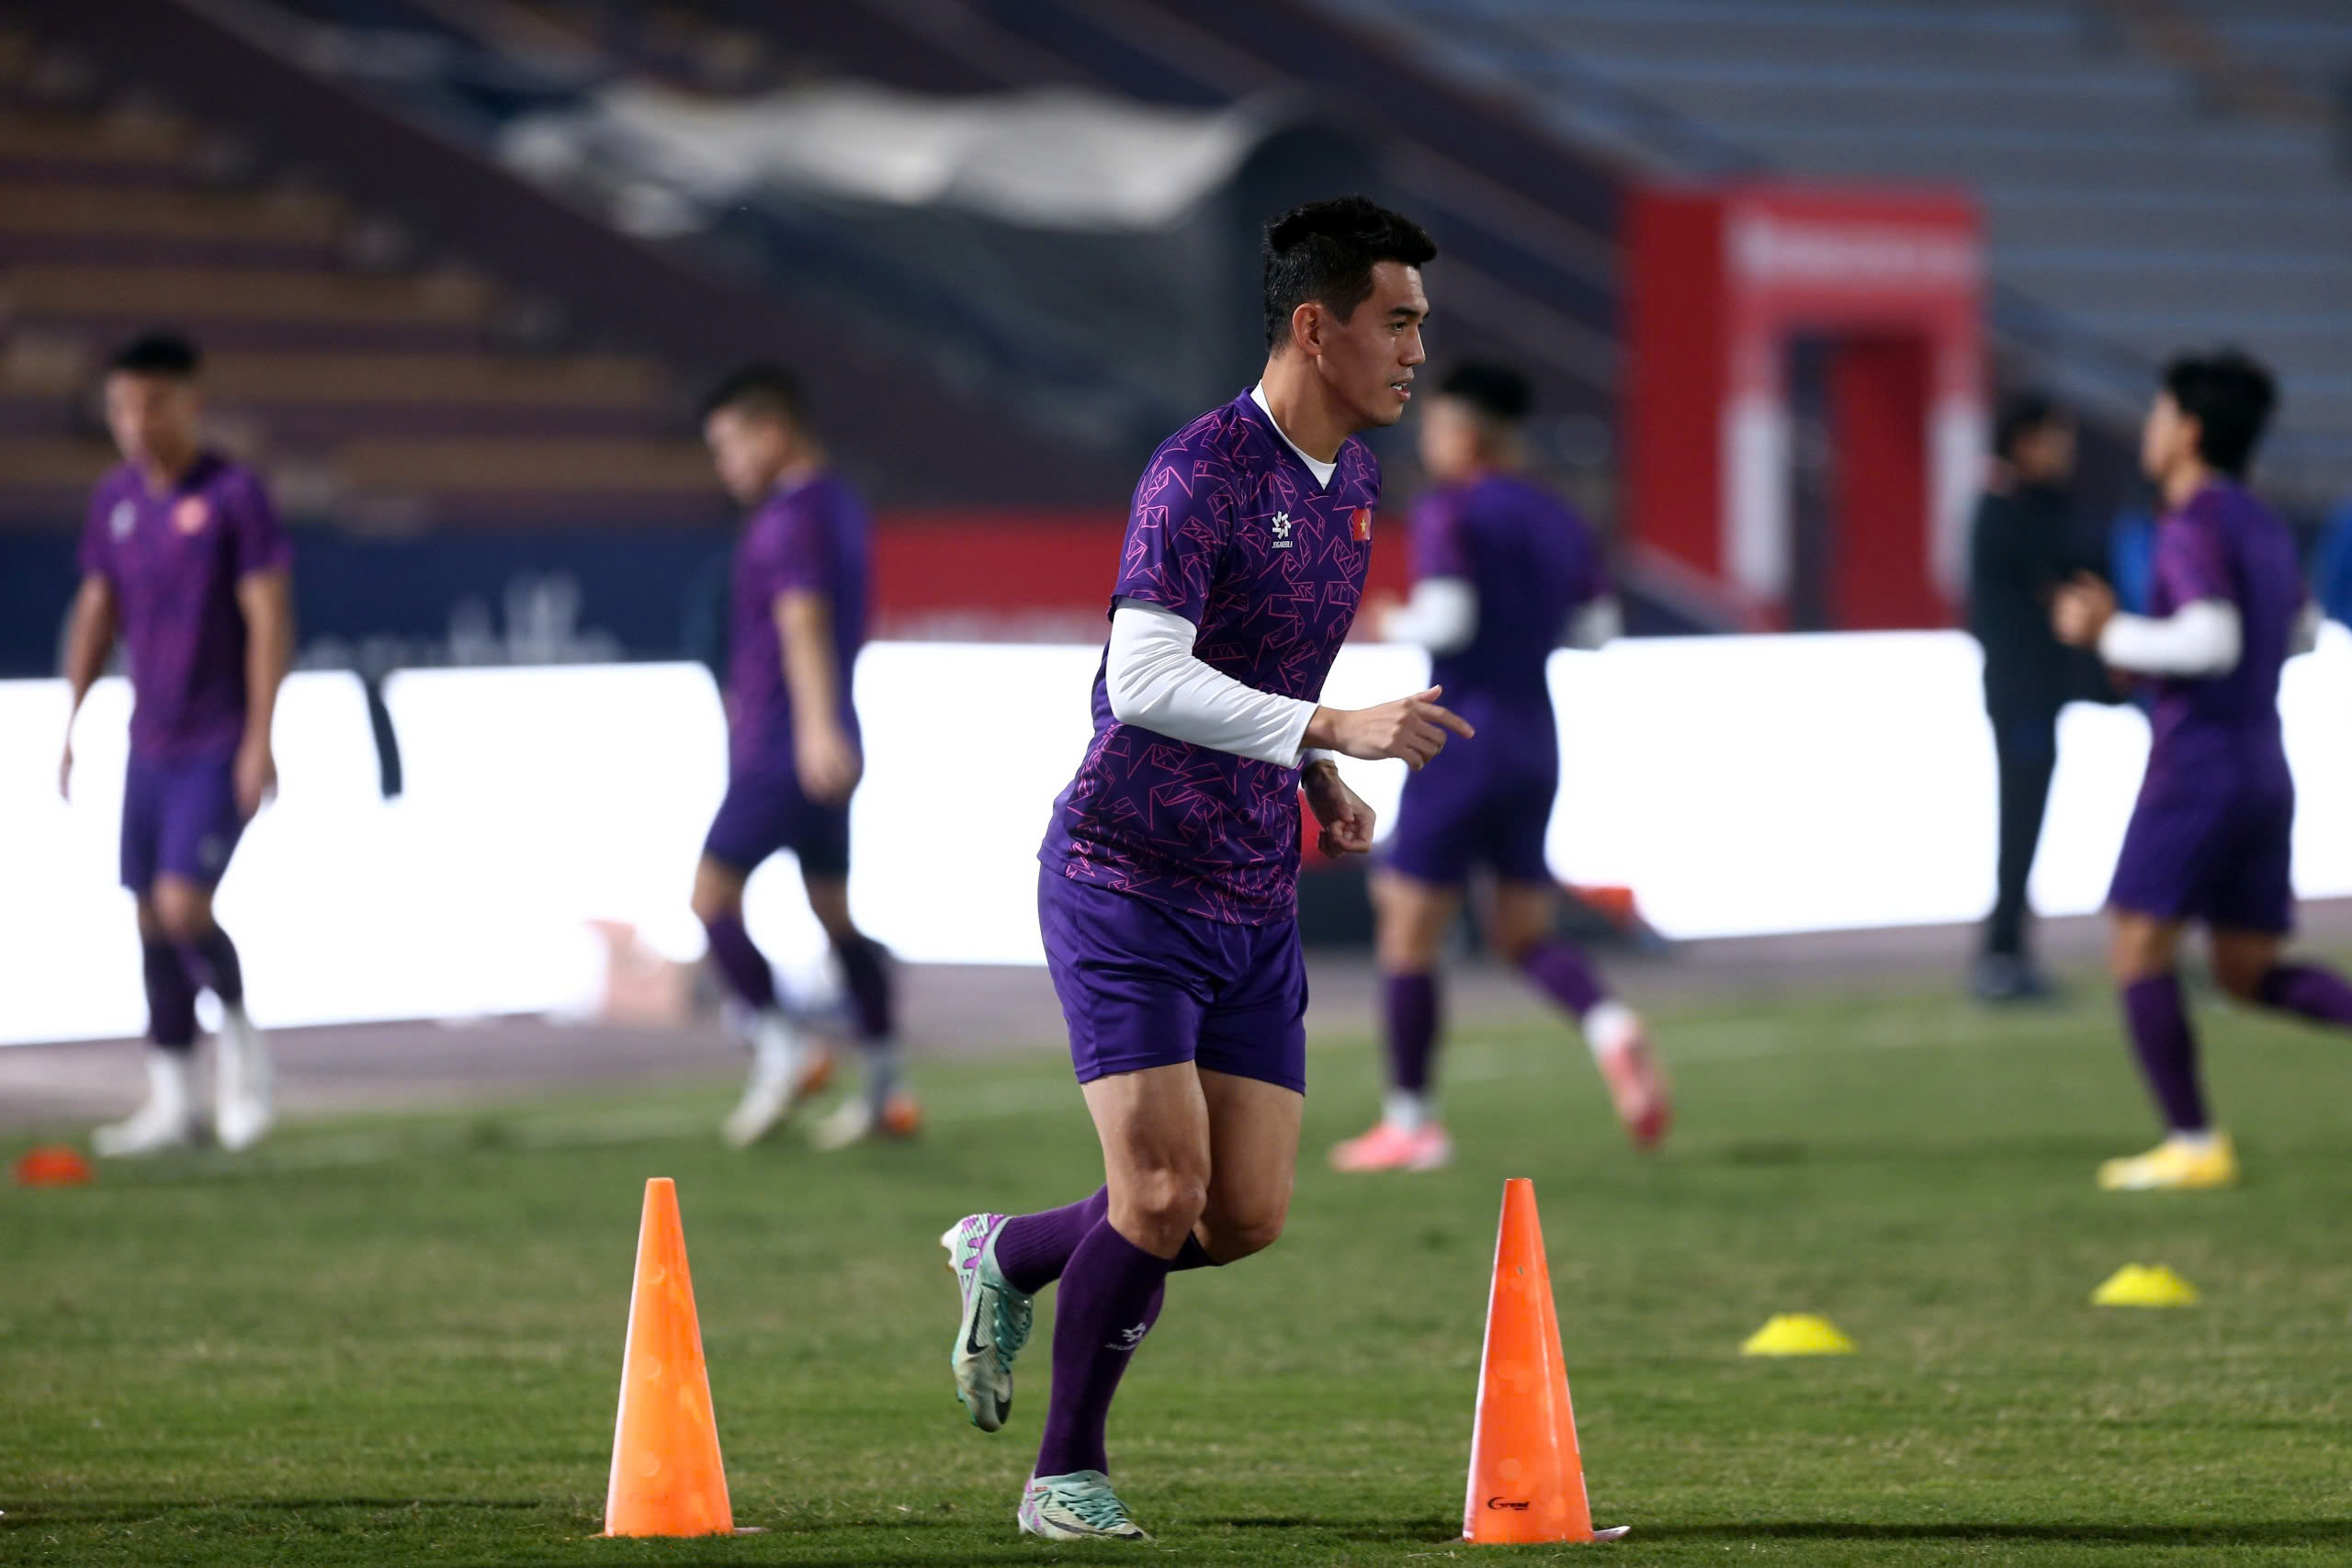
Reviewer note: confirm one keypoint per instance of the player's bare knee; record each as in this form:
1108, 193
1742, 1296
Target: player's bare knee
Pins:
2138, 949
2239, 976
715, 897
1514, 946
1158, 1207
1228, 1240
828, 901
182, 913
2246, 985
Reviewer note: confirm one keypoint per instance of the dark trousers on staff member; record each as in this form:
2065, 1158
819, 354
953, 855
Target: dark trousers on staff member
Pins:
2025, 744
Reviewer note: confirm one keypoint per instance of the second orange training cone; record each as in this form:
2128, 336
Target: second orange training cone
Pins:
667, 1476
1526, 1478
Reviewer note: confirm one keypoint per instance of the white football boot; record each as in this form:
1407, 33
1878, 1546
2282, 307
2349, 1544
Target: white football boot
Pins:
785, 1070
994, 1324
1077, 1506
244, 1104
167, 1121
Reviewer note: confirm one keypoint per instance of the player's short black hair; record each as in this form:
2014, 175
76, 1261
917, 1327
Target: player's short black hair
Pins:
762, 388
2020, 414
1324, 250
157, 354
1497, 392
2230, 395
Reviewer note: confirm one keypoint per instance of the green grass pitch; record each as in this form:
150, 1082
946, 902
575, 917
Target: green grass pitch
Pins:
397, 1339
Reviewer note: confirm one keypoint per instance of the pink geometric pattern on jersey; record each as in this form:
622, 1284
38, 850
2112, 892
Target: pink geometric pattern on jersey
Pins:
175, 562
1228, 530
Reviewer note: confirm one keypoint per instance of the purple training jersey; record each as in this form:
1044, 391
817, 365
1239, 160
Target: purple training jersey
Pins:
2220, 734
1230, 530
174, 560
1531, 562
812, 538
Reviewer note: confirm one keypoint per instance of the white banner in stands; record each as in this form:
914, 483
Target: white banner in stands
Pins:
1737, 784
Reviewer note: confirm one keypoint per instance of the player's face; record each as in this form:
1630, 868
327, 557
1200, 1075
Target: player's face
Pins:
1369, 359
152, 418
2045, 454
2167, 438
1452, 441
749, 450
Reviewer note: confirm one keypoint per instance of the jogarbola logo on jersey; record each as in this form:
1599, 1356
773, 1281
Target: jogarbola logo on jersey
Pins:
122, 519
191, 514
1280, 526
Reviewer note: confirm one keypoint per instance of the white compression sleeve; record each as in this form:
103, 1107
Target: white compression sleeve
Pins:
1599, 622
2305, 636
2200, 639
1441, 615
1153, 680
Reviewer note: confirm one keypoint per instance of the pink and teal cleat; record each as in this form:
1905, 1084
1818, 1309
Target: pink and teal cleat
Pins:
994, 1324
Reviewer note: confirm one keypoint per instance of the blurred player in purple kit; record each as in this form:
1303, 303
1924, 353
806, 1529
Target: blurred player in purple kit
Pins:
796, 618
181, 556
1503, 572
1169, 890
2209, 838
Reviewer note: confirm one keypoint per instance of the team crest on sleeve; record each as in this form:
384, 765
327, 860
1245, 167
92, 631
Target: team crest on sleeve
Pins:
122, 519
1360, 523
191, 514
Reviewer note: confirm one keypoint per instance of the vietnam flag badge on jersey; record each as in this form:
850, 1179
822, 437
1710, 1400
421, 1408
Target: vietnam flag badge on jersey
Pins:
1360, 522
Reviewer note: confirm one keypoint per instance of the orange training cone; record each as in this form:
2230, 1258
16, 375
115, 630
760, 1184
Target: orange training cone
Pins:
53, 1165
1526, 1480
667, 1475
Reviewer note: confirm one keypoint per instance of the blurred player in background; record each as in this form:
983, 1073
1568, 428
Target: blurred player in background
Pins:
2022, 551
181, 556
797, 619
1503, 570
2211, 836
1169, 896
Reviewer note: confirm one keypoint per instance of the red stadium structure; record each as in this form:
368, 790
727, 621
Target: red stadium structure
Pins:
1722, 283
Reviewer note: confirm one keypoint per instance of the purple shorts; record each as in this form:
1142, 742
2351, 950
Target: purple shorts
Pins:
1146, 986
2225, 860
1449, 825
179, 818
763, 812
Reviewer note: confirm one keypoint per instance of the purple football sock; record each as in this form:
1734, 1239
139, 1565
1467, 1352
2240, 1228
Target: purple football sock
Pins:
862, 971
1031, 1250
2167, 1048
1109, 1296
171, 997
1561, 973
212, 960
740, 962
1409, 1012
2318, 994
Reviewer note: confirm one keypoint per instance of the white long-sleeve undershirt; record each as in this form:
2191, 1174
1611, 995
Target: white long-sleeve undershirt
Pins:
1154, 681
1599, 622
2199, 641
1441, 615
